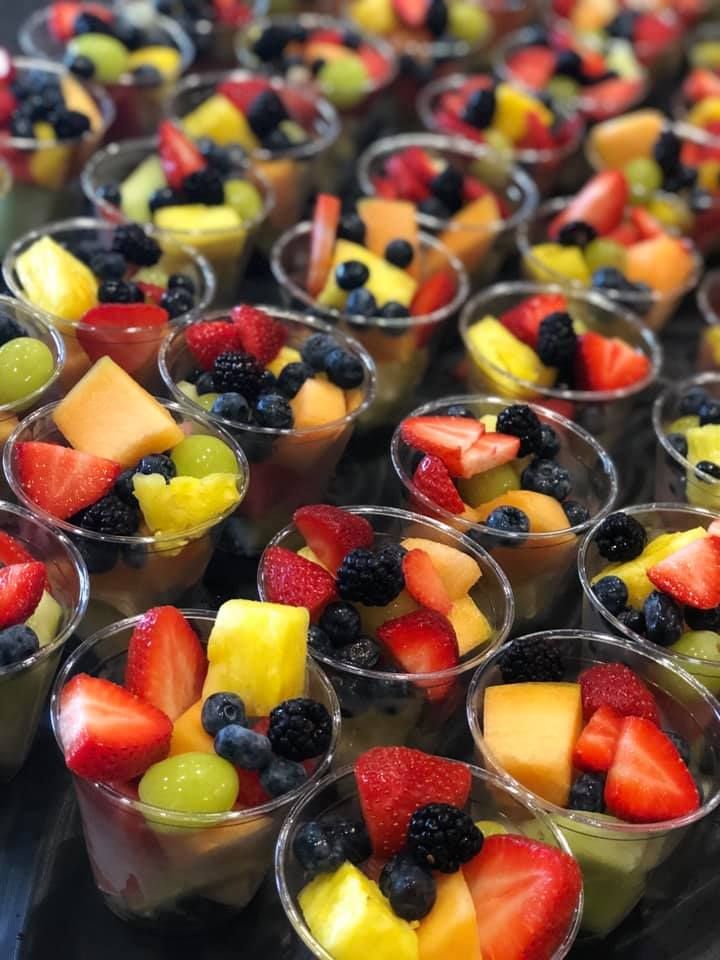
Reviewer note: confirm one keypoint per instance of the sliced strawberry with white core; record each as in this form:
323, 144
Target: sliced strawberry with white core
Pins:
331, 533
691, 575
209, 339
608, 363
600, 204
424, 583
241, 93
448, 438
595, 748
21, 587
524, 320
432, 478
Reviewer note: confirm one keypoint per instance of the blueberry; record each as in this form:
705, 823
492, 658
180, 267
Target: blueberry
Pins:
243, 747
549, 446
434, 207
587, 793
316, 348
447, 186
271, 43
395, 311
181, 281
703, 619
124, 486
363, 653
352, 228
409, 887
568, 63
400, 253
344, 369
340, 621
317, 850
273, 410
666, 151
480, 108
265, 112
220, 710
282, 776
231, 406
460, 410
707, 471
692, 401
16, 644
87, 22
612, 593
361, 303
108, 265
82, 67
436, 18
318, 640
709, 412
577, 233
146, 75
157, 463
351, 274
119, 291
548, 477
508, 520
632, 619
177, 302
134, 555
292, 377
164, 197
663, 619
204, 383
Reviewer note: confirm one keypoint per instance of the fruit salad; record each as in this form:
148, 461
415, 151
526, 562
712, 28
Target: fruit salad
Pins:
43, 596
411, 856
139, 485
615, 744
708, 301
288, 388
519, 479
371, 270
698, 102
600, 238
466, 195
402, 610
108, 291
189, 735
137, 62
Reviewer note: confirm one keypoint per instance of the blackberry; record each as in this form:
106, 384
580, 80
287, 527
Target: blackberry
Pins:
620, 537
557, 341
703, 619
177, 302
612, 593
109, 515
663, 619
265, 113
351, 274
409, 887
231, 406
692, 402
548, 477
110, 193
341, 622
531, 659
447, 186
242, 747
181, 281
119, 291
17, 643
292, 377
351, 227
318, 640
443, 837
82, 67
363, 653
577, 233
136, 245
372, 577
707, 471
271, 43
587, 793
460, 410
316, 348
361, 303
204, 186
220, 710
123, 487
519, 420
344, 369
633, 620
69, 124
678, 441
300, 729
353, 836
436, 18
157, 463
237, 372
549, 443
400, 253
666, 151
9, 329
164, 197
480, 108
88, 23
508, 520
272, 410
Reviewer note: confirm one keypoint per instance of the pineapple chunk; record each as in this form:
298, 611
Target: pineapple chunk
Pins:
56, 281
386, 282
164, 57
220, 120
285, 356
512, 107
550, 262
184, 502
704, 443
458, 571
492, 343
470, 623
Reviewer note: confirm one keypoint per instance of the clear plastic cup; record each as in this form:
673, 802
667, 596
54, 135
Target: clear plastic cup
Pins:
657, 519
401, 347
539, 566
139, 107
24, 685
133, 348
491, 798
167, 871
129, 574
707, 296
620, 861
481, 248
382, 707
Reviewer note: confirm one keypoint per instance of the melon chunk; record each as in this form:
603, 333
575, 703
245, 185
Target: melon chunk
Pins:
450, 929
458, 571
188, 734
469, 235
470, 624
387, 220
317, 402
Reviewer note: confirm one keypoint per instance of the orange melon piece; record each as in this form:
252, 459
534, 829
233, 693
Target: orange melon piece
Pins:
591, 15
469, 235
450, 929
283, 175
109, 415
7, 425
618, 141
387, 220
471, 625
544, 513
458, 571
662, 262
322, 50
354, 398
188, 735
316, 403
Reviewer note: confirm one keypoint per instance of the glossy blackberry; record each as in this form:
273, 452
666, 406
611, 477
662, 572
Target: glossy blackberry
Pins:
69, 124
265, 113
692, 401
361, 303
703, 619
680, 744
568, 63
204, 186
181, 281
620, 537
17, 643
271, 43
164, 197
557, 341
220, 710
531, 659
519, 420
316, 348
318, 640
87, 22
136, 245
120, 291
353, 837
460, 410
372, 577
292, 377
632, 619
480, 108
400, 253
157, 463
9, 329
577, 233
108, 265
82, 67
363, 653
408, 886
344, 369
663, 619
443, 837
548, 477
272, 410
447, 186
109, 515
300, 729
587, 793
243, 747
508, 520
549, 443
707, 471
352, 228
709, 412
612, 593
237, 372
110, 193
341, 622
351, 274
177, 302
123, 487
678, 441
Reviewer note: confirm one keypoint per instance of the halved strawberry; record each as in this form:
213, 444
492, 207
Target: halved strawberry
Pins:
107, 733
166, 663
595, 748
525, 894
331, 533
207, 340
385, 187
653, 33
433, 294
62, 480
21, 586
412, 13
232, 13
532, 66
446, 437
394, 782
241, 93
62, 17
608, 363
646, 224
473, 189
600, 203
625, 233
8, 103
12, 551
130, 333
615, 685
260, 334
700, 84
408, 184
433, 479
326, 218
422, 642
611, 97
524, 320
297, 582
537, 136
420, 163
424, 583
648, 780
178, 154
691, 575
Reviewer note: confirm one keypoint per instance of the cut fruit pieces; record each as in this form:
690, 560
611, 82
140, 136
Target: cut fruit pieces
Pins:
331, 533
458, 571
322, 241
55, 281
691, 576
388, 220
450, 929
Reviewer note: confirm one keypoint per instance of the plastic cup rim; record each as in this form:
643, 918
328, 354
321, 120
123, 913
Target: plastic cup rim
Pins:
58, 346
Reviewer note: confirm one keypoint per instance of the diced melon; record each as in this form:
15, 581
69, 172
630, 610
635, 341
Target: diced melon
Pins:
544, 513
46, 618
386, 281
317, 402
458, 571
621, 139
496, 350
387, 220
469, 235
470, 623
137, 188
220, 120
188, 733
662, 262
449, 931
285, 356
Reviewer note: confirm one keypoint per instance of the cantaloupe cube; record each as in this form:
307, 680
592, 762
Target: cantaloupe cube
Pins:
188, 734
471, 625
317, 402
621, 139
387, 220
110, 415
532, 728
449, 931
544, 513
469, 235
662, 262
458, 571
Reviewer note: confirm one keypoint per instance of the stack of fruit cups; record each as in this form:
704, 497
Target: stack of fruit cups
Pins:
708, 301
161, 868
24, 684
619, 859
539, 565
420, 710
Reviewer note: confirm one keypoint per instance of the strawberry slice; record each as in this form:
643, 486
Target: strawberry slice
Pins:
62, 17
648, 780
12, 551
595, 748
260, 334
537, 136
21, 586
413, 13
615, 685
625, 234
645, 223
600, 203
232, 13
107, 733
151, 291
608, 363
62, 480
524, 320
385, 187
691, 575
432, 478
700, 84
241, 93
326, 218
420, 163
394, 782
525, 894
406, 182
331, 533
297, 582
130, 333
532, 67
424, 583
653, 33
178, 154
166, 663
209, 339
433, 294
611, 97
422, 642
461, 443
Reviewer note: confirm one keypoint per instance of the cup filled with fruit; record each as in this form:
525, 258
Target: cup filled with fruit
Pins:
708, 301
403, 610
189, 735
698, 100
411, 856
617, 745
601, 238
193, 195
650, 574
519, 479
140, 486
389, 285
137, 62
108, 291
619, 16
43, 595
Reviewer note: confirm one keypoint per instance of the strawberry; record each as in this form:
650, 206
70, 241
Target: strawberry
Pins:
108, 733
422, 642
62, 480
700, 84
537, 136
532, 67
21, 586
424, 583
433, 294
473, 189
209, 339
62, 18
615, 685
166, 663
420, 163
648, 780
297, 582
385, 187
691, 575
107, 330
12, 551
625, 234
8, 104
260, 334
377, 65
394, 782
460, 443
412, 13
653, 33
524, 320
645, 223
151, 291
232, 13
331, 533
326, 218
525, 894
600, 203
251, 792
608, 363
178, 154
406, 182
449, 122
611, 97
241, 93
432, 478
714, 529
595, 747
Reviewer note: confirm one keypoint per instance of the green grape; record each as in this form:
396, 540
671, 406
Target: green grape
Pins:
200, 455
486, 486
184, 386
467, 21
344, 81
491, 828
706, 54
564, 89
25, 366
155, 275
601, 253
191, 783
705, 645
293, 131
206, 400
644, 176
244, 198
108, 55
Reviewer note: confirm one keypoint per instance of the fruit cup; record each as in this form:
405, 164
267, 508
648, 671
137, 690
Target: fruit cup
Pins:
165, 870
133, 348
129, 574
708, 301
480, 240
25, 685
539, 566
